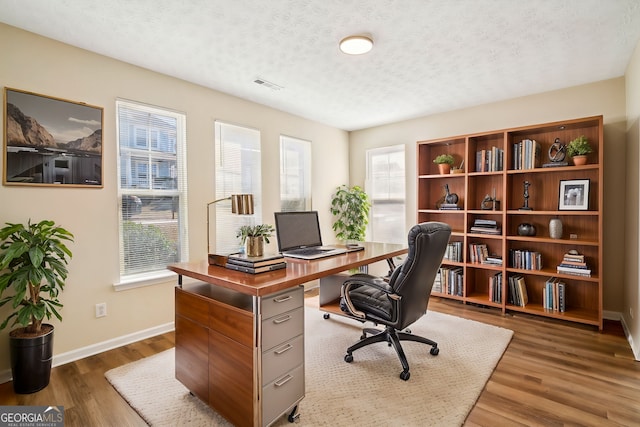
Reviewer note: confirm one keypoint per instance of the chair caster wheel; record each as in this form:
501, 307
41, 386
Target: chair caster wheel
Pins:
434, 351
294, 417
404, 375
326, 315
348, 358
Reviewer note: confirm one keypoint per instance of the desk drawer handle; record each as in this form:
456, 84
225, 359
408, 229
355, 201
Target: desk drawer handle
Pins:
283, 381
282, 319
283, 349
282, 298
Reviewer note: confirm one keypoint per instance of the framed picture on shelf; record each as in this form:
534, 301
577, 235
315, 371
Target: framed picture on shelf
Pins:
574, 195
51, 141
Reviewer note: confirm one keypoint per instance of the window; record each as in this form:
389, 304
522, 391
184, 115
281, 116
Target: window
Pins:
385, 186
237, 165
152, 189
295, 174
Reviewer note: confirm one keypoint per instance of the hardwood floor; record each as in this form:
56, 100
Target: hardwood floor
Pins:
552, 374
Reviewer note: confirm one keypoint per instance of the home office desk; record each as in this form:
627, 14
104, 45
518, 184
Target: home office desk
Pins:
240, 337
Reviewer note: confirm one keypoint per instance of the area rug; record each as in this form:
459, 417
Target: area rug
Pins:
441, 391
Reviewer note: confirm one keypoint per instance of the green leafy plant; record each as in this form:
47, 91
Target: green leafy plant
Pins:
261, 230
350, 208
33, 261
579, 147
444, 158
146, 242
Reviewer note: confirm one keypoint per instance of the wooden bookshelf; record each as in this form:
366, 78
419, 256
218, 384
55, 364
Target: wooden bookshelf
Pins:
582, 229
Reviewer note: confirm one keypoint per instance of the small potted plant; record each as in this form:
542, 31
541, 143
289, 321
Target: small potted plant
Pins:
33, 263
578, 150
255, 236
444, 162
350, 209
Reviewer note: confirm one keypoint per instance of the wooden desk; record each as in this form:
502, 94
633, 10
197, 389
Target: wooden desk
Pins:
240, 342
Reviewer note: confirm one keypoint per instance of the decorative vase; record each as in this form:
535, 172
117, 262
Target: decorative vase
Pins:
579, 160
255, 246
555, 228
445, 168
526, 230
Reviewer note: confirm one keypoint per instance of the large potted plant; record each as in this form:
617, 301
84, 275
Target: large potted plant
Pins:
255, 236
33, 265
350, 209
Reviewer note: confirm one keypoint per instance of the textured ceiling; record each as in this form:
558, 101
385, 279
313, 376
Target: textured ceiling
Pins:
429, 56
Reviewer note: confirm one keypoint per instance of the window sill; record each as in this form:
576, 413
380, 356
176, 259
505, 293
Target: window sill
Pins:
142, 280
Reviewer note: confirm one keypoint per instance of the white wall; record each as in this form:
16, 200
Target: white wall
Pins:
631, 309
606, 98
33, 63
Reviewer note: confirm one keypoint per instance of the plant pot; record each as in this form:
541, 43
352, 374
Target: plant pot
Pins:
255, 246
444, 168
579, 160
31, 360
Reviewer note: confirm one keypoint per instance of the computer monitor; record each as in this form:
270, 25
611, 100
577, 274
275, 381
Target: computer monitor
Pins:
295, 230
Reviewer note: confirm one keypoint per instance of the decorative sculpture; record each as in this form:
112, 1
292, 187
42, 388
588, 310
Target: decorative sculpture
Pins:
526, 197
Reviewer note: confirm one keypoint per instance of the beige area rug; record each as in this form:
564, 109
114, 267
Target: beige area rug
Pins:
441, 391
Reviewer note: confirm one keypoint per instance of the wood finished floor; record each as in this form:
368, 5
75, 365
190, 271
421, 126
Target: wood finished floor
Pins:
552, 374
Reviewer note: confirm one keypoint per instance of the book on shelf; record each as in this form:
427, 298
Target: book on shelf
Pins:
449, 206
518, 291
485, 230
255, 270
491, 160
574, 264
526, 154
525, 259
255, 261
553, 295
495, 288
454, 252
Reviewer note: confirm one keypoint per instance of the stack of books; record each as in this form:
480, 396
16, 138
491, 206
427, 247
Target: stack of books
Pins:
574, 263
253, 265
485, 226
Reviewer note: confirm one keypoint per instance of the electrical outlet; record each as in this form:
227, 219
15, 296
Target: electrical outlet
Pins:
101, 309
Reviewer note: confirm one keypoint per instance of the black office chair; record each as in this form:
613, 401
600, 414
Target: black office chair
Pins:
401, 300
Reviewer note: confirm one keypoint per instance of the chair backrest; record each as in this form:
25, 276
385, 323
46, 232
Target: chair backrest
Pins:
413, 279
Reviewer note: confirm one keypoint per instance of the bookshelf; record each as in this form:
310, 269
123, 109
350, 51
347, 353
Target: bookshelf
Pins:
503, 180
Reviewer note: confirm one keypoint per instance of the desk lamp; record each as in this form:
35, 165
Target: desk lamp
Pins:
241, 204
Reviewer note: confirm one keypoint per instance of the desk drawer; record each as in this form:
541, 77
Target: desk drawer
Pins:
272, 305
280, 359
281, 328
282, 394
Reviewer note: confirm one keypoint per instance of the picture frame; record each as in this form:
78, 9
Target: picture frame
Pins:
574, 195
51, 141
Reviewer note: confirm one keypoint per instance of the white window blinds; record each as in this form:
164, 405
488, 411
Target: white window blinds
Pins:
238, 171
295, 174
152, 188
386, 187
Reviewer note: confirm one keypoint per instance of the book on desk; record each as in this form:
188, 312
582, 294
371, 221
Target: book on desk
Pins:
255, 264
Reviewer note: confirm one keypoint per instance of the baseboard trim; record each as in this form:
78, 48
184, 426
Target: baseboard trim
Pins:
634, 350
81, 353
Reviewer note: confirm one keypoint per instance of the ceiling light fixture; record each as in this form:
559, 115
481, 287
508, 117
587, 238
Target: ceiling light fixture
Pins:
356, 45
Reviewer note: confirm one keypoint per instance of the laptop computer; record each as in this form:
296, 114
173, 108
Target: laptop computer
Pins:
298, 235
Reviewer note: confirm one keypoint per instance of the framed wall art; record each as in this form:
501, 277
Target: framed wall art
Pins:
574, 195
51, 141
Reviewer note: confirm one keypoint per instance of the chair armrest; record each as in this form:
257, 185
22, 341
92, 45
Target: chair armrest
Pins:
367, 280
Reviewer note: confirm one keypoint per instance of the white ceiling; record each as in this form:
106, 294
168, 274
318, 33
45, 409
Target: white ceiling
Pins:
429, 56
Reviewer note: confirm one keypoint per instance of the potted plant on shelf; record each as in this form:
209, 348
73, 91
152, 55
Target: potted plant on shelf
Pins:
578, 150
33, 263
444, 162
350, 208
255, 236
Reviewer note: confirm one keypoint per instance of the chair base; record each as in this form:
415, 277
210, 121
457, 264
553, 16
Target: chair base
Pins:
393, 338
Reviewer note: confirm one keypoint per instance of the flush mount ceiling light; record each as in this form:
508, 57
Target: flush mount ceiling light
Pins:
356, 45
